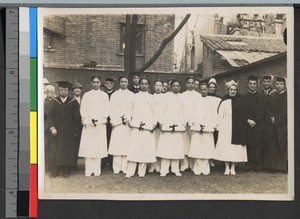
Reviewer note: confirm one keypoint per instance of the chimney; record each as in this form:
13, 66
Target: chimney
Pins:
217, 25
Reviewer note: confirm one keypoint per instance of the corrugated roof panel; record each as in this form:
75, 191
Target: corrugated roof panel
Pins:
238, 58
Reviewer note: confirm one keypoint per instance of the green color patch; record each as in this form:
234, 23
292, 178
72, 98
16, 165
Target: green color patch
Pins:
33, 84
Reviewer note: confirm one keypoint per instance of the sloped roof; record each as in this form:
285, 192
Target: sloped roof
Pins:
244, 43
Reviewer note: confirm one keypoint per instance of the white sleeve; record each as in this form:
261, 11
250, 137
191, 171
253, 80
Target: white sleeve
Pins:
107, 106
220, 115
84, 109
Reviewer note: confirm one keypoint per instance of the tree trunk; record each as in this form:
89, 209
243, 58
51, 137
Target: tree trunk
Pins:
133, 43
127, 45
164, 43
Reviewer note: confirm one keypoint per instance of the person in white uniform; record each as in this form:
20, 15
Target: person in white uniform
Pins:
173, 124
232, 125
94, 112
120, 115
142, 139
190, 98
158, 104
202, 145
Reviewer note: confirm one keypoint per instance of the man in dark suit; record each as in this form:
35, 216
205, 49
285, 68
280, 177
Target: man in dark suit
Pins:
275, 155
254, 103
135, 87
109, 89
267, 82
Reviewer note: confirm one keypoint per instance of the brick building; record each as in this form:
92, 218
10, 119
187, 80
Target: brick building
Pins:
274, 65
222, 53
95, 44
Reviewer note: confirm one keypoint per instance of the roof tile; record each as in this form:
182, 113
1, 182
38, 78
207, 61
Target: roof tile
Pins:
253, 44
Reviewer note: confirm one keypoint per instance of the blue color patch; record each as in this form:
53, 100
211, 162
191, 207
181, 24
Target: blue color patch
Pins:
33, 32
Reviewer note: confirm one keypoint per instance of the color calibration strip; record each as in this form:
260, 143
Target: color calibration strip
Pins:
33, 112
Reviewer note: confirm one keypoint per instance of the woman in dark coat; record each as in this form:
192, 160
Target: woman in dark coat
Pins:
232, 126
49, 92
64, 125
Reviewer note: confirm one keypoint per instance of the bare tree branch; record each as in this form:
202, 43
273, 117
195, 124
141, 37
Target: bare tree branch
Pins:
164, 43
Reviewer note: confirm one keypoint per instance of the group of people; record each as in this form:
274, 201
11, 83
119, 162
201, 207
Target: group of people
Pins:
167, 130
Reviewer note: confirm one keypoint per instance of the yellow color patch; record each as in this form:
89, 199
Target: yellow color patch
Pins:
33, 137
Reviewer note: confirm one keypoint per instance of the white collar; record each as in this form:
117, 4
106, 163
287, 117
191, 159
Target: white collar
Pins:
280, 92
252, 92
63, 99
136, 86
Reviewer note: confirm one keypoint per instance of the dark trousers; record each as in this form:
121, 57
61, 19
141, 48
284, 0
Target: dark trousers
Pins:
107, 161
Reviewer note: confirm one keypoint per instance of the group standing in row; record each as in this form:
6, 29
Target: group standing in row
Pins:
167, 130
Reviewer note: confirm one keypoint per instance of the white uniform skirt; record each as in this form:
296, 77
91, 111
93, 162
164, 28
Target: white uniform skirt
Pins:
93, 143
157, 134
202, 145
171, 145
120, 140
141, 147
225, 151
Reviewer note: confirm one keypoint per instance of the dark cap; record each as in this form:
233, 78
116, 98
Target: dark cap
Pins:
76, 85
267, 77
203, 83
109, 79
63, 84
280, 79
252, 78
190, 77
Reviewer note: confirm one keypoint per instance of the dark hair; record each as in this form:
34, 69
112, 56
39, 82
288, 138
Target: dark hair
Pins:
123, 76
158, 80
173, 81
188, 78
95, 76
203, 83
136, 74
143, 78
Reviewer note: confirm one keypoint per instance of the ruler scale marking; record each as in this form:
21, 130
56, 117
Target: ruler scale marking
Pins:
12, 116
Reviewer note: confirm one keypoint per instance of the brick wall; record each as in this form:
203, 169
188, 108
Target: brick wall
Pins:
273, 66
153, 40
97, 38
213, 63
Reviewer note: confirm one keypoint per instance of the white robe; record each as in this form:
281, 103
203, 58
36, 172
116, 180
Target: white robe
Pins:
120, 106
202, 144
170, 144
142, 142
190, 99
94, 105
158, 107
225, 151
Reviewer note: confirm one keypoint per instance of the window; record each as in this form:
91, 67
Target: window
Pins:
48, 38
139, 49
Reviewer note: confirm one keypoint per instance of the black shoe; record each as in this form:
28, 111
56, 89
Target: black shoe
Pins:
54, 174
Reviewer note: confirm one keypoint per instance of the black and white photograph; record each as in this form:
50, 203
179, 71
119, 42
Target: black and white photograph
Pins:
166, 103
